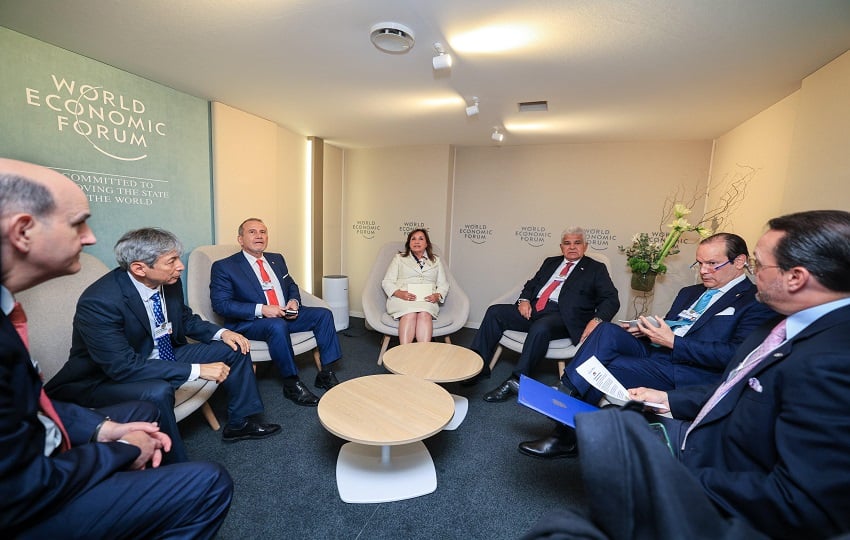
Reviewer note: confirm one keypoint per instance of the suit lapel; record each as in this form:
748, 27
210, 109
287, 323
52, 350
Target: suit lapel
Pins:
248, 276
729, 298
133, 300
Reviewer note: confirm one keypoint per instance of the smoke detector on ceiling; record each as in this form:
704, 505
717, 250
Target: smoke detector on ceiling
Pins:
392, 37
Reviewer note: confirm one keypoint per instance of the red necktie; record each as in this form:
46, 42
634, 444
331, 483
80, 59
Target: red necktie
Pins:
547, 292
270, 294
19, 321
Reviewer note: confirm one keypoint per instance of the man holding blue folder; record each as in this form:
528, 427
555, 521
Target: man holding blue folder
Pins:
765, 452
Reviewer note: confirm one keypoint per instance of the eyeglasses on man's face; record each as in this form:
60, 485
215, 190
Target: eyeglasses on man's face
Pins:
710, 266
757, 267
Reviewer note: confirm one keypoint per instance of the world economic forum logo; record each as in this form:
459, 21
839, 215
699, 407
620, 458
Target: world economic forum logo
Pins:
114, 124
366, 228
533, 235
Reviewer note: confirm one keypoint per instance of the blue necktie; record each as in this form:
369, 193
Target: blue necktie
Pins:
163, 343
701, 306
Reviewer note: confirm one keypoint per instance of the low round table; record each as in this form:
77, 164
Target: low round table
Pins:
377, 413
437, 362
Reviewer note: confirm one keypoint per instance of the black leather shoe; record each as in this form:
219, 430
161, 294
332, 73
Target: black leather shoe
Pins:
507, 389
551, 447
326, 380
300, 395
251, 430
472, 381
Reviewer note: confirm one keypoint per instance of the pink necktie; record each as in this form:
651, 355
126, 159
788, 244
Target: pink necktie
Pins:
547, 292
270, 294
773, 340
19, 320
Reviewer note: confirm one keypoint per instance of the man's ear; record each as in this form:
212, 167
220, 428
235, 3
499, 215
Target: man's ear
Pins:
796, 278
20, 228
138, 269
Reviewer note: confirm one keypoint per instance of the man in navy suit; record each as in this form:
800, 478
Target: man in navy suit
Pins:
568, 296
255, 293
109, 483
691, 345
767, 451
120, 350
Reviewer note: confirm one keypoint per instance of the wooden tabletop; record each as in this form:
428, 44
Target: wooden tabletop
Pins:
385, 409
433, 361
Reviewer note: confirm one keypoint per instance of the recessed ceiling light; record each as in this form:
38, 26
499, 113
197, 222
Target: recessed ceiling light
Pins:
392, 37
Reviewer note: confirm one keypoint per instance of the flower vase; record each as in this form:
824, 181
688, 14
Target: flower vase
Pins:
644, 282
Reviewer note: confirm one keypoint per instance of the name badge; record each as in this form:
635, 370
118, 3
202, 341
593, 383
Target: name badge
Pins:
560, 279
688, 315
267, 285
162, 330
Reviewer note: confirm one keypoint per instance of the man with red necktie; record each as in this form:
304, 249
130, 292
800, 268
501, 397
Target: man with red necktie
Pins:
568, 296
68, 470
765, 452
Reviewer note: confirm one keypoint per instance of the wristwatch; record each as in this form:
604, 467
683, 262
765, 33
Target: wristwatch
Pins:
597, 319
521, 300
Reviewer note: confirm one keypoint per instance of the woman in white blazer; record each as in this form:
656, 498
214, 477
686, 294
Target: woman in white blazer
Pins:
416, 285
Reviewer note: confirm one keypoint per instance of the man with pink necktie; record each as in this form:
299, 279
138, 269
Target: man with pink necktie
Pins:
764, 453
568, 296
68, 471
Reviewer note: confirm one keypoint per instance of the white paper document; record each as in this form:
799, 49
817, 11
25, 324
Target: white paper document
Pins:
420, 290
600, 378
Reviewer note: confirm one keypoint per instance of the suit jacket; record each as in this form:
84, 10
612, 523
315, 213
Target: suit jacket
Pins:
713, 338
235, 290
32, 483
588, 292
112, 337
405, 270
776, 449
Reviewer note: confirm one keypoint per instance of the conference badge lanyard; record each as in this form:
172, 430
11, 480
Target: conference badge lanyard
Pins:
163, 329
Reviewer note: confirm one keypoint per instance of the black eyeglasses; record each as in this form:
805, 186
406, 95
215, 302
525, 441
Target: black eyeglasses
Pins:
711, 266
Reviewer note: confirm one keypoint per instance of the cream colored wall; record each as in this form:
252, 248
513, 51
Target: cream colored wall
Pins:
819, 168
758, 149
388, 191
259, 170
332, 233
798, 148
513, 202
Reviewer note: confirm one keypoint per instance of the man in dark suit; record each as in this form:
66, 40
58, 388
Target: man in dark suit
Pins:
769, 448
130, 342
567, 297
67, 470
691, 345
255, 293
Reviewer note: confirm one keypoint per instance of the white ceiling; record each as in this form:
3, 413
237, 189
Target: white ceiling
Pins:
612, 70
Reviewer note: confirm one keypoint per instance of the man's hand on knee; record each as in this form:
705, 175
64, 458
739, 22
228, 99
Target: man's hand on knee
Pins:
217, 371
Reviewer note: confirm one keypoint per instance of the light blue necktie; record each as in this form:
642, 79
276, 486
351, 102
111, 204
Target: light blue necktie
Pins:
163, 343
699, 308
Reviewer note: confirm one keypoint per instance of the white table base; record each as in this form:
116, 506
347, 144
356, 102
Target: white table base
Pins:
376, 474
461, 408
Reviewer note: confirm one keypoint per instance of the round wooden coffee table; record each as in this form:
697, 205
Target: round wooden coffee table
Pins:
436, 362
378, 413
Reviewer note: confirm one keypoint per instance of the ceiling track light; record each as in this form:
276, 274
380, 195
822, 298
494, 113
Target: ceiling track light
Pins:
472, 110
497, 135
392, 37
442, 60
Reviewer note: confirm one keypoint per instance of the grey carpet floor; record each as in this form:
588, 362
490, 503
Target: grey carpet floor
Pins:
286, 486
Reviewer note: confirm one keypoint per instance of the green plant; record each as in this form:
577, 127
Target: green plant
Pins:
646, 255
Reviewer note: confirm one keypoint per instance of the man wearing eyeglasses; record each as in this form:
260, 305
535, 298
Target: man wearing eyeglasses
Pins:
691, 345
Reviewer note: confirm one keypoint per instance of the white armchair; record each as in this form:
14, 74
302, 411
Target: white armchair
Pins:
561, 350
452, 316
50, 309
198, 288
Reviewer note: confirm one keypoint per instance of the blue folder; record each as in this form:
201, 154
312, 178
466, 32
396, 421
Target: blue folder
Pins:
546, 400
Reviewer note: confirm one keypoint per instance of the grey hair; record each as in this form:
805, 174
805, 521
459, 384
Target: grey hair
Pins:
146, 246
572, 230
242, 225
20, 194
